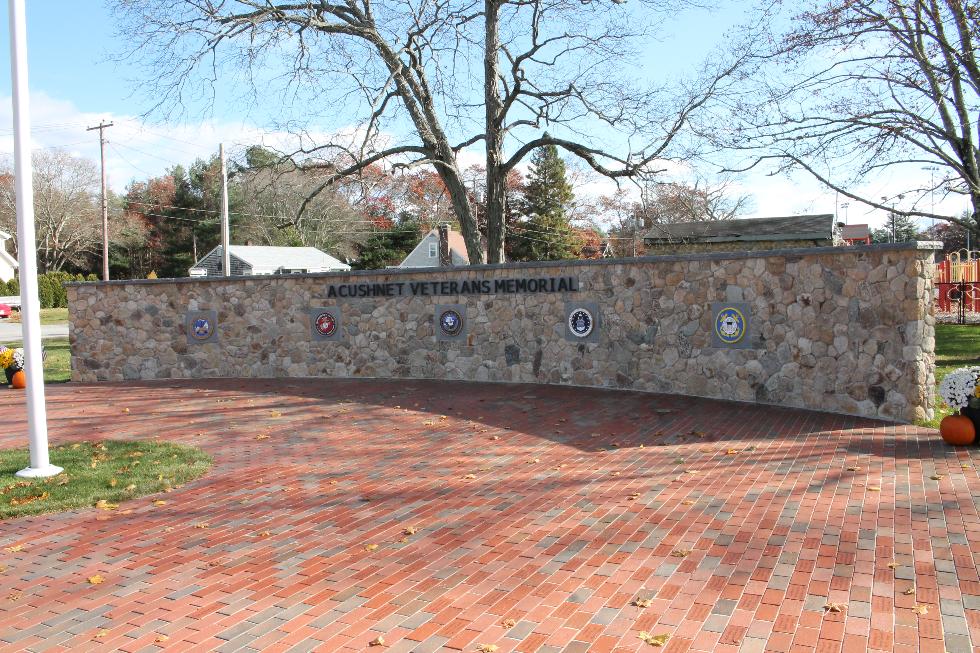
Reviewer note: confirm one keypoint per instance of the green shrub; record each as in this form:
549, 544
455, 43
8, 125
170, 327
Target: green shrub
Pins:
45, 293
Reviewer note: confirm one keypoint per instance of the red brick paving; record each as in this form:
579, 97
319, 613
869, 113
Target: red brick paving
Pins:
552, 507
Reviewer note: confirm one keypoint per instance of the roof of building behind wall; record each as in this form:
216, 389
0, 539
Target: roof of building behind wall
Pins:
791, 227
273, 258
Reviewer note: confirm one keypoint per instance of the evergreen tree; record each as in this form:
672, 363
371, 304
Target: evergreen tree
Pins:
546, 234
902, 227
389, 246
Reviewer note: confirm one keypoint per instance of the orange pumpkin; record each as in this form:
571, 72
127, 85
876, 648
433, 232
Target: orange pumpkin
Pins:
19, 380
957, 430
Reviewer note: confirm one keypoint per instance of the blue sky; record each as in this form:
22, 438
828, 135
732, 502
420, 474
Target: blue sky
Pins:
75, 83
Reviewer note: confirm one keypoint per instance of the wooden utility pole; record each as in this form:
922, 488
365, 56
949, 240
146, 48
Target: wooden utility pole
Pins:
102, 126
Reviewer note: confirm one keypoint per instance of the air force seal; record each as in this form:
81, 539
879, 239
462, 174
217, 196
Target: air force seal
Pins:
451, 322
325, 324
201, 329
730, 325
580, 322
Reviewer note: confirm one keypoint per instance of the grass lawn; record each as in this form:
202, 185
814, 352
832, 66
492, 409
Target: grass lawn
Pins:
100, 474
48, 316
57, 365
956, 346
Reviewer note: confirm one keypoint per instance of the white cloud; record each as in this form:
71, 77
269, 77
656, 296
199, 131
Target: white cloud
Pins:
138, 149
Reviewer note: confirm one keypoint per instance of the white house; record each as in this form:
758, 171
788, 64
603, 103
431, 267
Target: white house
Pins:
8, 264
426, 253
258, 260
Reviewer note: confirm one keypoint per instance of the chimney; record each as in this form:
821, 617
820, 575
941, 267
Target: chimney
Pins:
445, 260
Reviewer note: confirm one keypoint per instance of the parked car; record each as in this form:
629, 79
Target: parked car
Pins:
4, 311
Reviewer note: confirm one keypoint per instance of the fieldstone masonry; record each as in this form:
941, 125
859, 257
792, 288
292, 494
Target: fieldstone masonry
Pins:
848, 330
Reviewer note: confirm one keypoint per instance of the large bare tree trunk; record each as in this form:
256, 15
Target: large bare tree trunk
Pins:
451, 176
496, 175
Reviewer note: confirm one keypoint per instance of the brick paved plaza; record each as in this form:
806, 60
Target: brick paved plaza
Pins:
542, 513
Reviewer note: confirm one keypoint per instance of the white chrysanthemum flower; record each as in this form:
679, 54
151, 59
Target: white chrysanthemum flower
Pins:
959, 386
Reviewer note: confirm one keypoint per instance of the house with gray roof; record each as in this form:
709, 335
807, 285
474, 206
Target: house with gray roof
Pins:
744, 234
426, 253
249, 260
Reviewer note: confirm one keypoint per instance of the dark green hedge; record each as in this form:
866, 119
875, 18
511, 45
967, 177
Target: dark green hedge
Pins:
50, 288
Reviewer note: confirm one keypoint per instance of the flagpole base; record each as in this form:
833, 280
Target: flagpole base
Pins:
39, 472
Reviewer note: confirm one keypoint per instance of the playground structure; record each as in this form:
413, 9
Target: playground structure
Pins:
958, 283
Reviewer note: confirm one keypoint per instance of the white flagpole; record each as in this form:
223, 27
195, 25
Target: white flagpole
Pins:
30, 307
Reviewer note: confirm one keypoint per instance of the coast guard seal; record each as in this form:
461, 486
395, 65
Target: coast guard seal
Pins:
730, 325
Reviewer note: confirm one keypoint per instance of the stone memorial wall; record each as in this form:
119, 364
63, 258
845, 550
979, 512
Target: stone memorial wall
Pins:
847, 330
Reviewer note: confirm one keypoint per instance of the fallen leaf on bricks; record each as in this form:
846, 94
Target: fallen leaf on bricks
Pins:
680, 553
265, 533
936, 477
921, 609
909, 592
470, 476
533, 461
16, 596
162, 638
893, 565
96, 580
261, 436
633, 497
411, 530
687, 502
202, 525
486, 648
508, 623
874, 488
371, 547
102, 634
275, 413
102, 504
835, 607
642, 603
854, 469
494, 437
731, 452
653, 640
377, 641
125, 410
